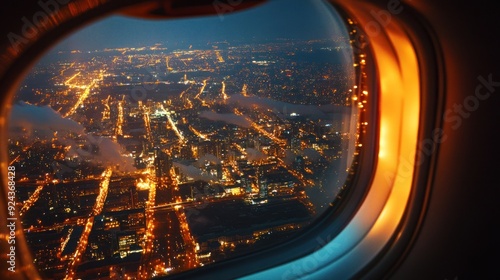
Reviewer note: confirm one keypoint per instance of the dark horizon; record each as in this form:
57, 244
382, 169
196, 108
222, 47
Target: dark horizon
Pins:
315, 21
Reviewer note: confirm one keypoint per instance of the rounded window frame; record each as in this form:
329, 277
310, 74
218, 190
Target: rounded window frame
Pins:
317, 238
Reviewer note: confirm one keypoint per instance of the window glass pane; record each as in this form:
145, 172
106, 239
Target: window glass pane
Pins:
145, 148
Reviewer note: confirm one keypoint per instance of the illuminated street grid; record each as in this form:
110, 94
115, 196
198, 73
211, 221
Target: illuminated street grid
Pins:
158, 160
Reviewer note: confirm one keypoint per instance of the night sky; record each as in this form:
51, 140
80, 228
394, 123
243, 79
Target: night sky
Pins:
298, 19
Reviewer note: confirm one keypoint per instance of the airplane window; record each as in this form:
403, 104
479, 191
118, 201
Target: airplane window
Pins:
145, 148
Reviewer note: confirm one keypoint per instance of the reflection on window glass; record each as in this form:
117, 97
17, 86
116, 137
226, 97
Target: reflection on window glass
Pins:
146, 148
